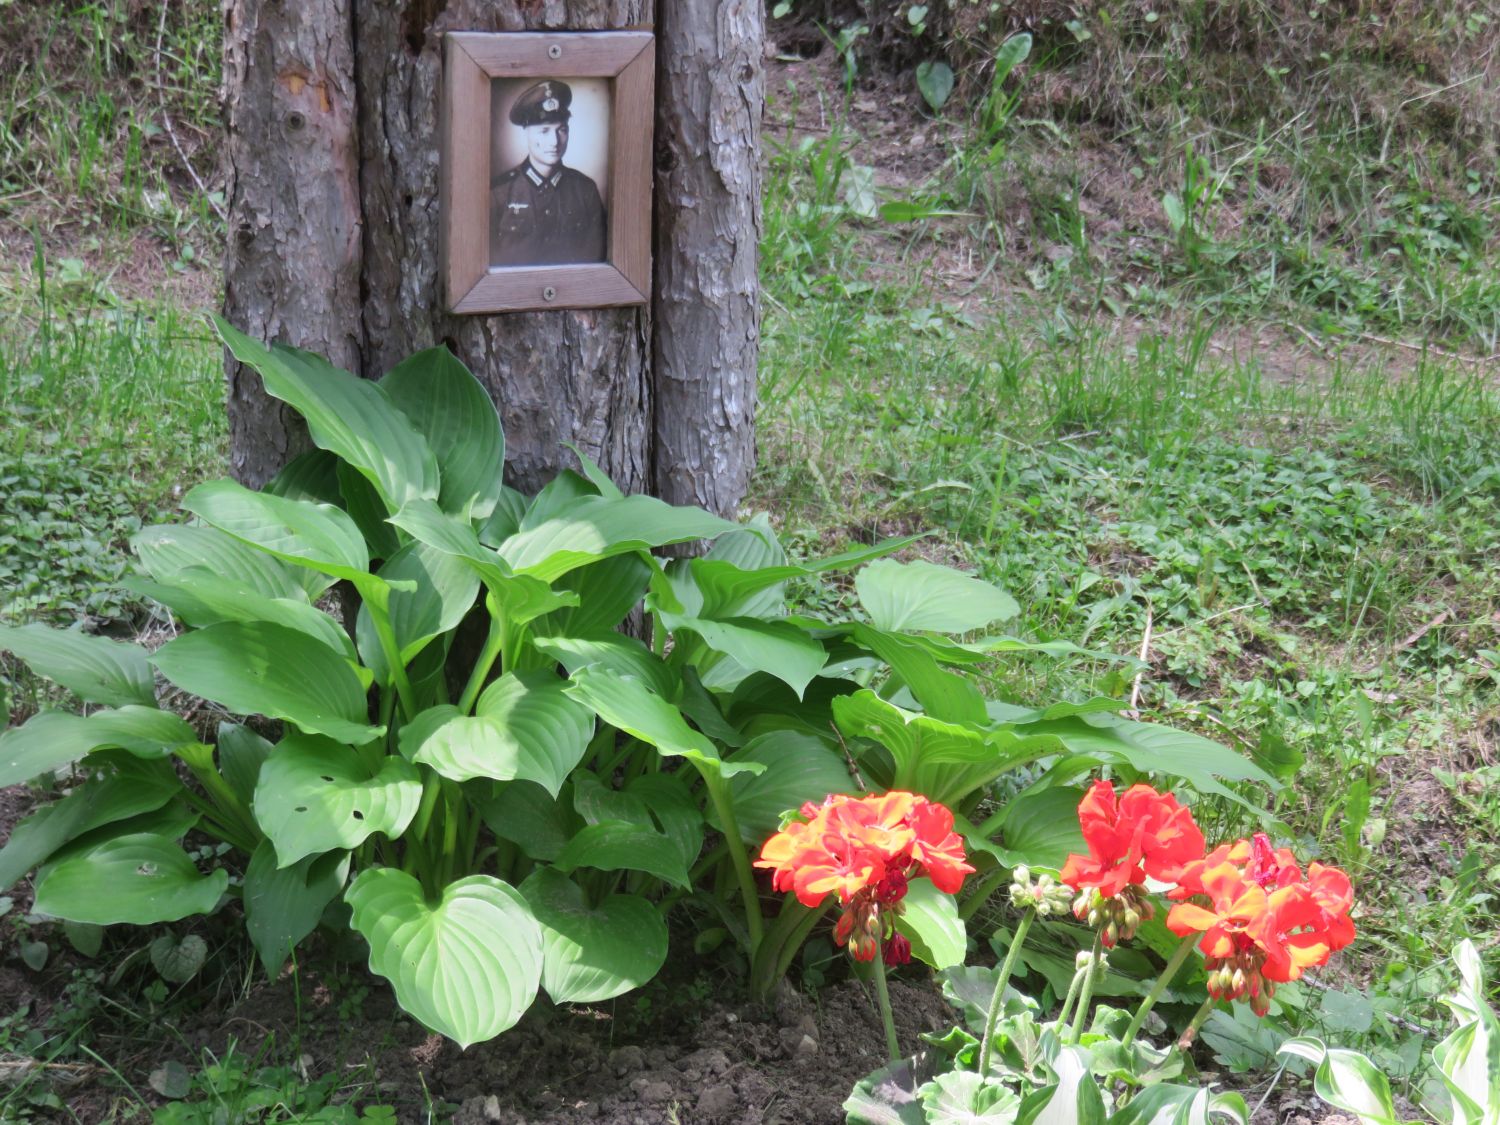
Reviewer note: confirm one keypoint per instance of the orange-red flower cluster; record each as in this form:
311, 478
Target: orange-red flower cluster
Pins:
866, 850
1266, 922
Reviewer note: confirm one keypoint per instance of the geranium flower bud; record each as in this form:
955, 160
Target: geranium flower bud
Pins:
897, 950
1111, 935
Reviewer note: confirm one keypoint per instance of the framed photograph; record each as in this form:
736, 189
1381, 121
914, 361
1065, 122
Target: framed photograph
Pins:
546, 169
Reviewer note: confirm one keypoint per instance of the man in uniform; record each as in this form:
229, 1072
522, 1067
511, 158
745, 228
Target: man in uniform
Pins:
542, 213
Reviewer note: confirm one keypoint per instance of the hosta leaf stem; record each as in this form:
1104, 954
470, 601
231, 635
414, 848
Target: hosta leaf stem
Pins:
487, 656
718, 793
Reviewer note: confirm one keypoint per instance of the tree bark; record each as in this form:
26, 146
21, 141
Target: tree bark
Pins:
345, 244
711, 90
292, 257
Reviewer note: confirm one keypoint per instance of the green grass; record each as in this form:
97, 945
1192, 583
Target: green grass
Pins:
108, 411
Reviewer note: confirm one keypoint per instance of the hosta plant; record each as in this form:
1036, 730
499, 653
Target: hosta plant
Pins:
431, 715
1467, 1061
1250, 910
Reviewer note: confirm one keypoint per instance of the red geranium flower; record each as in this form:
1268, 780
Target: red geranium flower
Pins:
866, 850
1140, 833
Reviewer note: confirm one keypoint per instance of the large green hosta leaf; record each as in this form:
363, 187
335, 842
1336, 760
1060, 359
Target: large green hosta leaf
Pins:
632, 707
315, 795
347, 415
742, 580
137, 787
202, 598
799, 767
96, 669
520, 598
930, 921
625, 656
169, 549
141, 879
593, 953
596, 527
283, 904
923, 597
944, 761
444, 593
54, 739
260, 668
617, 845
777, 648
1038, 828
451, 410
1148, 748
467, 966
525, 726
319, 537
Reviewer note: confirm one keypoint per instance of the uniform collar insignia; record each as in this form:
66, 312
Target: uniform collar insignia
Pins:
552, 180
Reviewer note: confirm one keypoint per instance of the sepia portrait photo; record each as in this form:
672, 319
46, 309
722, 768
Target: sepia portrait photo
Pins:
545, 169
549, 170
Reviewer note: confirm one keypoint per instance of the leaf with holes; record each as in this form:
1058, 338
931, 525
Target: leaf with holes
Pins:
593, 953
315, 795
467, 966
142, 878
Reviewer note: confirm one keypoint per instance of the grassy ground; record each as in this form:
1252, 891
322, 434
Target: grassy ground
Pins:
1097, 407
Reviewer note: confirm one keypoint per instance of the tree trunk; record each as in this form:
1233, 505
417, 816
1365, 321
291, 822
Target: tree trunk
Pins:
292, 258
343, 257
711, 88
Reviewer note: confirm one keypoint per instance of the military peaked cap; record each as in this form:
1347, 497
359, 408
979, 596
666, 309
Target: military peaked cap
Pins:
546, 103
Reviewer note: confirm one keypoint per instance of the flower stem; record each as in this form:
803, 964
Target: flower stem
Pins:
1073, 986
997, 1001
1179, 955
1087, 995
1185, 1040
882, 992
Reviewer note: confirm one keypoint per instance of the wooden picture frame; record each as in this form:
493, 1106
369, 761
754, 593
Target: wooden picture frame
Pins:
473, 191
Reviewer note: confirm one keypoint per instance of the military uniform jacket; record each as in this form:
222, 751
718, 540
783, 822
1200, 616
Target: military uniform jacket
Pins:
537, 221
